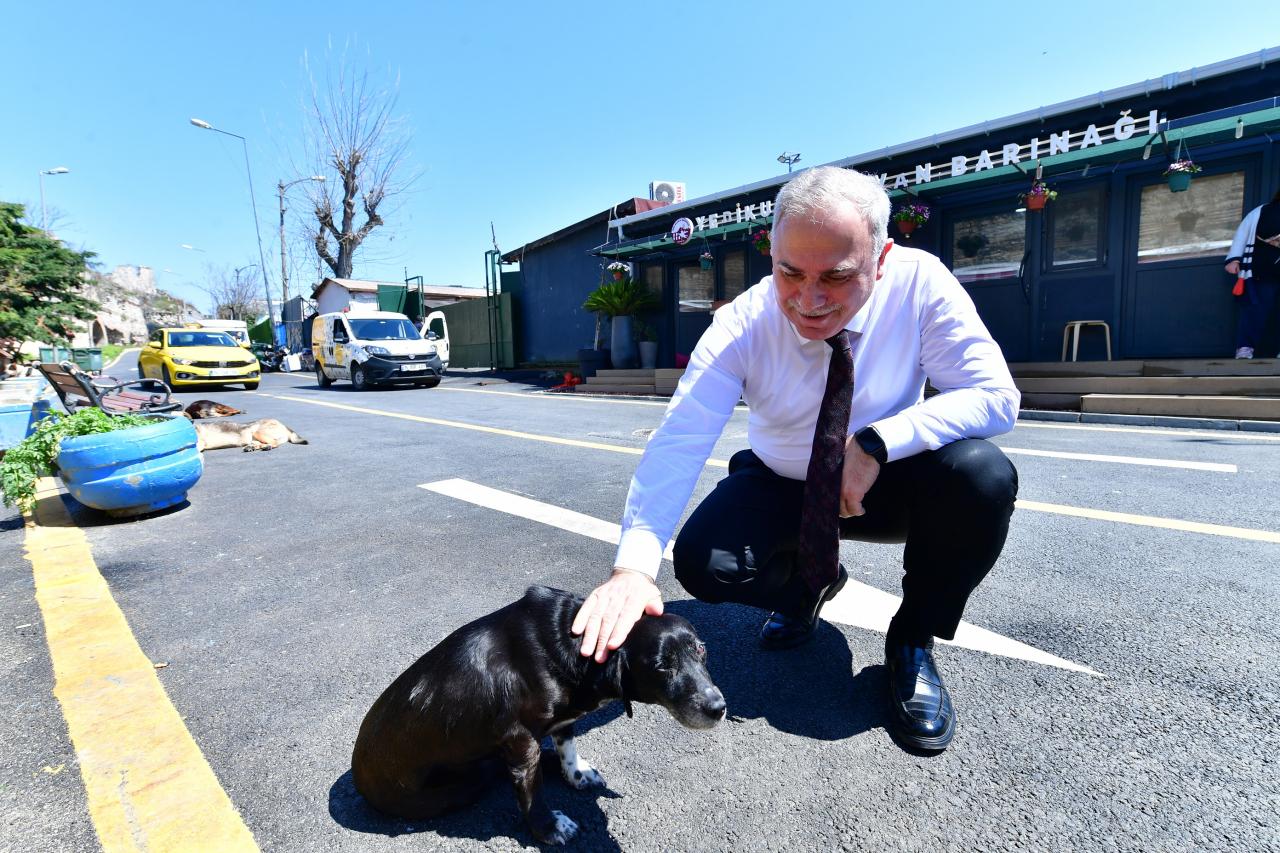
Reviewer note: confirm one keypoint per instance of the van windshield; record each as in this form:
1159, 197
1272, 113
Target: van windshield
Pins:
378, 329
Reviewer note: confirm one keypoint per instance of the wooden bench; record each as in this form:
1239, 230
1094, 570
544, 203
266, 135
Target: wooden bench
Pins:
77, 390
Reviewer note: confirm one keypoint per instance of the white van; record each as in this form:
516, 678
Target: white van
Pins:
372, 348
237, 330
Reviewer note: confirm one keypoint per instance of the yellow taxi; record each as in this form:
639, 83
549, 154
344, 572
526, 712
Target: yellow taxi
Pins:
191, 357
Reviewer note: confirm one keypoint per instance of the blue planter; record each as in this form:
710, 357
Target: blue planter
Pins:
1179, 182
132, 471
623, 347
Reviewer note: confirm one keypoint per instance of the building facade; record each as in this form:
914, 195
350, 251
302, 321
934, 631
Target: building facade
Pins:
1117, 244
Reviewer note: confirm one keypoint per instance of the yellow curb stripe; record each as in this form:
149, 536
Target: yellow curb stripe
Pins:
1154, 521
149, 787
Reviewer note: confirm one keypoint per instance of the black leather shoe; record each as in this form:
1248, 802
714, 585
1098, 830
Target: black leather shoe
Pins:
921, 714
781, 631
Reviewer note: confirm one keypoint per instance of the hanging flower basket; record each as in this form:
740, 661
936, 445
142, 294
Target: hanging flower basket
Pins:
619, 270
761, 239
1179, 174
706, 260
1038, 196
911, 216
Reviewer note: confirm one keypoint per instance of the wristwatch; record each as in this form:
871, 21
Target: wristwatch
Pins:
872, 444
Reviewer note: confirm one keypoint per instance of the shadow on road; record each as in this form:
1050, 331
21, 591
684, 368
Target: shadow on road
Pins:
809, 691
495, 814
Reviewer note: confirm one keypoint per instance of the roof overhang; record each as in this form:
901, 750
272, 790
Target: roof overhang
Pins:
1254, 119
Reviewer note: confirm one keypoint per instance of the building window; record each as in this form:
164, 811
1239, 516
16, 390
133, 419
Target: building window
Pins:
1193, 224
988, 247
651, 275
697, 288
733, 268
1077, 228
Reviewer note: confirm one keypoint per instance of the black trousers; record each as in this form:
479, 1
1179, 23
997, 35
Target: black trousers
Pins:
950, 506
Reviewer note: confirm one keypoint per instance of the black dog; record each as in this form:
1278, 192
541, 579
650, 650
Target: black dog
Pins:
489, 692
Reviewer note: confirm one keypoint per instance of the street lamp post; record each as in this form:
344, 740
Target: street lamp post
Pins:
256, 230
238, 271
284, 272
44, 217
788, 158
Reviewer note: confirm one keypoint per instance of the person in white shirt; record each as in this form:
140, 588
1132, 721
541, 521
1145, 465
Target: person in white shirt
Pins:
914, 470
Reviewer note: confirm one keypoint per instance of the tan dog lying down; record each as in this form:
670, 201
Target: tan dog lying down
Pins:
263, 434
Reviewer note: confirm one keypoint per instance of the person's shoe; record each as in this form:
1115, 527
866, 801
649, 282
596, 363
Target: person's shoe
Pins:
781, 631
1244, 352
921, 714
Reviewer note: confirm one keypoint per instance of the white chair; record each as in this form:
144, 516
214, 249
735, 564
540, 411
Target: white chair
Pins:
1072, 330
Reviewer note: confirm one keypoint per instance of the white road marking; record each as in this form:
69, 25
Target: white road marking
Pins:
1059, 509
1220, 467
1238, 435
858, 604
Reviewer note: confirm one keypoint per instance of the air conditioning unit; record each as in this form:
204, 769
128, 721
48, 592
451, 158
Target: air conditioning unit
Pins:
671, 192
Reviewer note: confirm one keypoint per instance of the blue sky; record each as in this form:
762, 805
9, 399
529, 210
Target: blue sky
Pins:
532, 116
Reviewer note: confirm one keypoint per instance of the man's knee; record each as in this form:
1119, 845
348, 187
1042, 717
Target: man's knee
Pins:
691, 556
977, 470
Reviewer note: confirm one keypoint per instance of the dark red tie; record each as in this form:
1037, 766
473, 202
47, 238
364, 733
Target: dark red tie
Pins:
818, 554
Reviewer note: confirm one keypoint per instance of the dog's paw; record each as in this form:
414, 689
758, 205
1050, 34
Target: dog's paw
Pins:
564, 829
583, 776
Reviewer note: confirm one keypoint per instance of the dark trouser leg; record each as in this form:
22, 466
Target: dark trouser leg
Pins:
951, 507
739, 544
1258, 302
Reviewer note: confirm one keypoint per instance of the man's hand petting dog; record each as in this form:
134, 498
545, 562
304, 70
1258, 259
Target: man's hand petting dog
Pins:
610, 612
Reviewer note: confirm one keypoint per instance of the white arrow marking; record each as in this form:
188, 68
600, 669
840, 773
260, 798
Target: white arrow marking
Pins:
858, 604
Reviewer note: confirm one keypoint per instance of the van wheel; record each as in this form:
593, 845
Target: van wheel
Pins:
430, 383
251, 386
322, 380
358, 379
167, 376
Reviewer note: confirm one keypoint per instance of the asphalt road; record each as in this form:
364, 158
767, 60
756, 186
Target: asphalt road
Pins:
298, 583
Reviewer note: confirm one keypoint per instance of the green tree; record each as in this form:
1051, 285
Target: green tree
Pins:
40, 283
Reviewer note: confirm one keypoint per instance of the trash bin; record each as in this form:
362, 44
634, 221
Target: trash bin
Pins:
53, 355
88, 359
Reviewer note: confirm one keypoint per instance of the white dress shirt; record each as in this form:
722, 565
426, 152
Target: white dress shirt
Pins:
919, 322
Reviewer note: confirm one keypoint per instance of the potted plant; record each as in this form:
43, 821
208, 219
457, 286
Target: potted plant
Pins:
706, 259
761, 240
619, 269
125, 465
620, 300
1179, 174
648, 344
911, 216
1038, 196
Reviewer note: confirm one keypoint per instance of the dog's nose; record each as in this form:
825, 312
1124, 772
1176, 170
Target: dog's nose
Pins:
715, 705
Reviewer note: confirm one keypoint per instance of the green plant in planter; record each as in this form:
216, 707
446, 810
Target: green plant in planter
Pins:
971, 244
646, 332
37, 454
622, 298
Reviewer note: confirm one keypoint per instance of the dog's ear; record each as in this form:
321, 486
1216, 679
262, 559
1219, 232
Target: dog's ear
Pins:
617, 675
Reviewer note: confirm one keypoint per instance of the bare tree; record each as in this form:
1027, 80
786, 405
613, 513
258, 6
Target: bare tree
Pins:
357, 142
234, 292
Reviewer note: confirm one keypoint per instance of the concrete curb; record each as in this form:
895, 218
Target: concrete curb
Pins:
1150, 421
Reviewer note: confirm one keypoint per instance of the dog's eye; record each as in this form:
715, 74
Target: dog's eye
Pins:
702, 651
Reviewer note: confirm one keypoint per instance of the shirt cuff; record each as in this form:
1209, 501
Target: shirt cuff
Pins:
899, 436
640, 551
